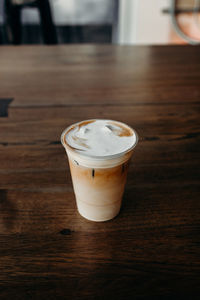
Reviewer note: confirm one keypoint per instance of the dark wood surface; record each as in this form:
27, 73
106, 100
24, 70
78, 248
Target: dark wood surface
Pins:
152, 249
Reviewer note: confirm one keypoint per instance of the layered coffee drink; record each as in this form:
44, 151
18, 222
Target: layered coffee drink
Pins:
99, 152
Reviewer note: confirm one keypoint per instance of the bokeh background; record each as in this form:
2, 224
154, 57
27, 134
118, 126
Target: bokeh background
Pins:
102, 21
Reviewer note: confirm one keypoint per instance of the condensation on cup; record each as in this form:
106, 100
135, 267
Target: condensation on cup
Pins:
99, 152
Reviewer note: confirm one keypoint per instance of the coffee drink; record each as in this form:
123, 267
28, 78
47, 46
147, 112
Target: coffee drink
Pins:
99, 152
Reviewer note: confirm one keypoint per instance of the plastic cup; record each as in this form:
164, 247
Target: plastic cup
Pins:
98, 181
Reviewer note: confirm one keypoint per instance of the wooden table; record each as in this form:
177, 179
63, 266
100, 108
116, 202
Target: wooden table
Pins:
152, 249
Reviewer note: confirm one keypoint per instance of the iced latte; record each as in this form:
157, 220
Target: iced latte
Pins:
99, 152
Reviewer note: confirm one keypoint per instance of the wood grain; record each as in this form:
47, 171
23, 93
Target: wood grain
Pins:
151, 250
93, 74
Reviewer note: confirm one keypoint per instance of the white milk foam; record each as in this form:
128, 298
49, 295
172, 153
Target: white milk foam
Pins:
100, 137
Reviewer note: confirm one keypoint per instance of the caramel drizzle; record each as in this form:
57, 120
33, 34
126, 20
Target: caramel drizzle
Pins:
80, 141
85, 123
122, 131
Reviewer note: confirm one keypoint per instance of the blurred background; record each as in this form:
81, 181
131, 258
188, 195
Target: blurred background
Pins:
100, 21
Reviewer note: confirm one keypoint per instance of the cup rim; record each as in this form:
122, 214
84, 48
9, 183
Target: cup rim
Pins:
97, 157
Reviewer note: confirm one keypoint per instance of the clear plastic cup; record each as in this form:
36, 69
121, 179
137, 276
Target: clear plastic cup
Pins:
98, 181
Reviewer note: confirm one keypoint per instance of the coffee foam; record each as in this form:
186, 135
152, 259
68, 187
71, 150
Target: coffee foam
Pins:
100, 138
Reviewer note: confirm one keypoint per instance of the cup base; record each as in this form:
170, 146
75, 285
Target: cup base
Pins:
103, 214
95, 220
